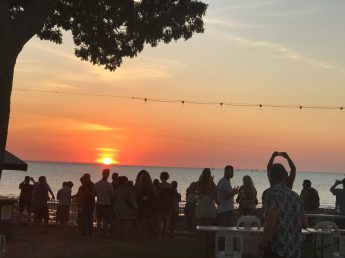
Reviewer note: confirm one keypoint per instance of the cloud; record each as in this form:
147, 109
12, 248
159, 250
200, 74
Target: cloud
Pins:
293, 13
227, 23
43, 47
110, 150
166, 61
57, 85
282, 51
249, 5
94, 127
24, 61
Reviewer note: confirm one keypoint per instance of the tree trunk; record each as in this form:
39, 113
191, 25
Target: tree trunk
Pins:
6, 79
14, 34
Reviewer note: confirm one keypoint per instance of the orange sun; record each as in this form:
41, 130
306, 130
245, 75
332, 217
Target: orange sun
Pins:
107, 156
107, 161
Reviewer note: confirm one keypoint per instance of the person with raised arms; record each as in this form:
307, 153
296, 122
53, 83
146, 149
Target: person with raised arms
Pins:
292, 175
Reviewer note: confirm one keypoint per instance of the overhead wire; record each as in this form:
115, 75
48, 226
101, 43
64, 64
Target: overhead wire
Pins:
187, 101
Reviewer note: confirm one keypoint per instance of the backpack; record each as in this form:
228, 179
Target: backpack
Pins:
314, 199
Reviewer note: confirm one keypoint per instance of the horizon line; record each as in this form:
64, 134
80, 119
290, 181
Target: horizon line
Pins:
188, 167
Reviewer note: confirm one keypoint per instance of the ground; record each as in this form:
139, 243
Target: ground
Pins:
55, 242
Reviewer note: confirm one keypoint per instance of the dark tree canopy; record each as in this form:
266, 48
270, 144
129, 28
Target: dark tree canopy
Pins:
105, 31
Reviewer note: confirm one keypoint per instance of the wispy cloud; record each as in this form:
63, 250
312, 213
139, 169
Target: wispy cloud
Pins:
227, 23
166, 61
107, 149
25, 61
249, 5
94, 127
43, 47
57, 85
281, 50
293, 13
131, 73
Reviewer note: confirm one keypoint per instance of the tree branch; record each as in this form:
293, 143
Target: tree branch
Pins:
31, 21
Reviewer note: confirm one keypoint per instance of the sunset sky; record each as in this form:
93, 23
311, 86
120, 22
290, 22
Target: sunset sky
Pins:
270, 52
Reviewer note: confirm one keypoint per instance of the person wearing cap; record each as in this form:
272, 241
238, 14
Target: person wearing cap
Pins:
103, 190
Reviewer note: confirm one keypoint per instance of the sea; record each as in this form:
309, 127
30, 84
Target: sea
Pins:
56, 173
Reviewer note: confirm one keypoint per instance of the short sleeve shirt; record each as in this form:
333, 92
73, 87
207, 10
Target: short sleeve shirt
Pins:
288, 230
104, 192
26, 192
64, 196
224, 186
41, 194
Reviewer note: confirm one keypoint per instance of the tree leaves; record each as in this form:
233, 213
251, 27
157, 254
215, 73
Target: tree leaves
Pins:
106, 31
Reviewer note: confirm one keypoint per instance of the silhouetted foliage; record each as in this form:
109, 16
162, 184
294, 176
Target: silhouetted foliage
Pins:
107, 30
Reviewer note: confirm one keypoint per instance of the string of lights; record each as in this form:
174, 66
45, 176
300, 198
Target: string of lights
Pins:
193, 102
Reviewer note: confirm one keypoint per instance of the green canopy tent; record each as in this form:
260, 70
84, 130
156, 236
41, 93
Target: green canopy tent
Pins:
11, 162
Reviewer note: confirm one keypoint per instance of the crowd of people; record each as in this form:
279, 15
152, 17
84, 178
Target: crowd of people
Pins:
123, 208
149, 208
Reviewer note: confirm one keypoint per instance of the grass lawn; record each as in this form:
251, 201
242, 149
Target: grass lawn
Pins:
55, 242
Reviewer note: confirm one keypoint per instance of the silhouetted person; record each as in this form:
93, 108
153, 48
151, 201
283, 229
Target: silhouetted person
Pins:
124, 207
284, 216
64, 198
104, 193
340, 200
165, 205
41, 197
115, 180
205, 211
176, 199
225, 196
189, 209
86, 202
291, 177
340, 195
247, 197
310, 197
25, 197
146, 199
155, 183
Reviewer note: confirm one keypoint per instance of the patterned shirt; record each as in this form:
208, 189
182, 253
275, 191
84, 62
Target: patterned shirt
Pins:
288, 229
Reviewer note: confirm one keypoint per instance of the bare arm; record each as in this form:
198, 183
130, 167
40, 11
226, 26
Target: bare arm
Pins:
292, 175
271, 221
334, 186
270, 163
51, 192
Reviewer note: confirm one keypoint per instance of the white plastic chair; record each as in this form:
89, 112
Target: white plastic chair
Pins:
328, 240
248, 221
341, 253
228, 245
250, 240
327, 224
2, 245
